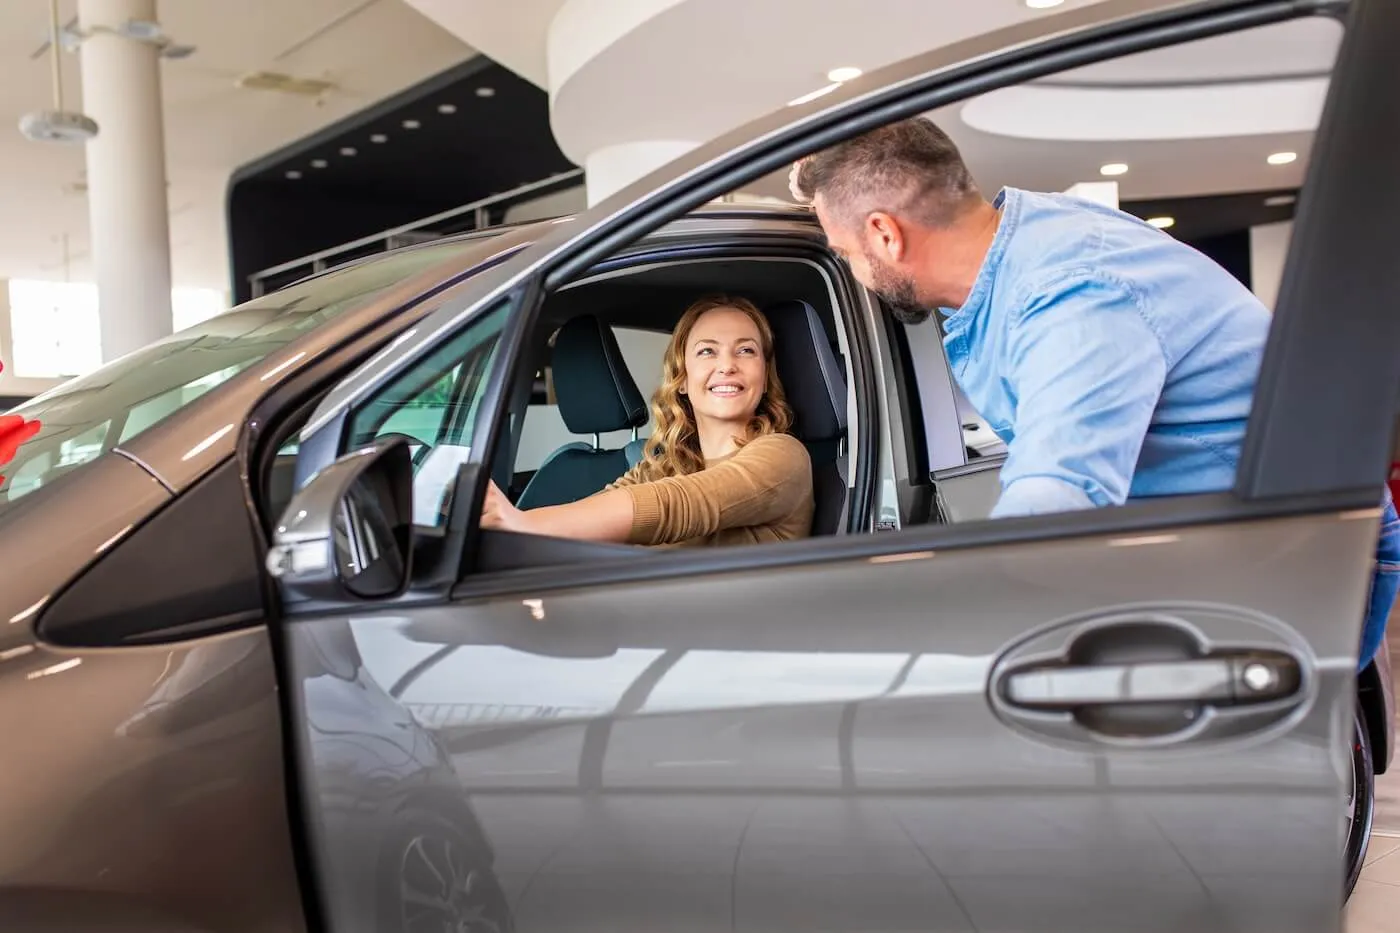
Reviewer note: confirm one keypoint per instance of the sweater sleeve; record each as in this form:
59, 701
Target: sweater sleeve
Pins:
762, 483
631, 478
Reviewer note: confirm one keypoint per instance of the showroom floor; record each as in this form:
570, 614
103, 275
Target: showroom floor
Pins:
1375, 907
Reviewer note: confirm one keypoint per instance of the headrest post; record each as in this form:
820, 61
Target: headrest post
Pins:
597, 441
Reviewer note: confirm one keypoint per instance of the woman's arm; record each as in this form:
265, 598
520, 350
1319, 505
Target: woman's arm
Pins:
764, 482
761, 483
605, 517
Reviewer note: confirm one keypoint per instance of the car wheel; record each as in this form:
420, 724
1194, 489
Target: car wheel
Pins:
435, 880
1361, 802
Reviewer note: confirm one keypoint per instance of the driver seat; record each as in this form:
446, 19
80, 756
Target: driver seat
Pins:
596, 395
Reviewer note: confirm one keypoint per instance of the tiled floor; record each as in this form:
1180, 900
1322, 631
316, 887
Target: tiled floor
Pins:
1375, 907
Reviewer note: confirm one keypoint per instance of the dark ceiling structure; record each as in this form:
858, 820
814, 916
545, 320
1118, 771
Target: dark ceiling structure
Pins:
470, 132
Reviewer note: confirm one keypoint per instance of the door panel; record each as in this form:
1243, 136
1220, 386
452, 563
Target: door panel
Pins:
814, 747
968, 493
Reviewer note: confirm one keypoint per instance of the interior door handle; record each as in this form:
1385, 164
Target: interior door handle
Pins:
1221, 681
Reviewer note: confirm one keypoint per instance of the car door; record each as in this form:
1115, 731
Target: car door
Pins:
1130, 719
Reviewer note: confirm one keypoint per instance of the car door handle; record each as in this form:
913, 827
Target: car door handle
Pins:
1224, 680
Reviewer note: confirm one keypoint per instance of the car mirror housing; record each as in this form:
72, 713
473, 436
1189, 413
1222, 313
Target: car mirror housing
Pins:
348, 533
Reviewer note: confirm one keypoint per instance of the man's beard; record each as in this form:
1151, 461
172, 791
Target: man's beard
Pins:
897, 292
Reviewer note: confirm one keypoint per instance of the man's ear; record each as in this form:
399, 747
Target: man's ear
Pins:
885, 236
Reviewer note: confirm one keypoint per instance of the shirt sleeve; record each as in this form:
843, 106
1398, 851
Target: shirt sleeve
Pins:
762, 483
1088, 371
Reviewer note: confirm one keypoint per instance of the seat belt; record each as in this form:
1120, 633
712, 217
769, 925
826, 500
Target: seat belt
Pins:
635, 451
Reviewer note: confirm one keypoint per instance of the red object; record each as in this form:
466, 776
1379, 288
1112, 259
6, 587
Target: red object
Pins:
14, 430
1394, 481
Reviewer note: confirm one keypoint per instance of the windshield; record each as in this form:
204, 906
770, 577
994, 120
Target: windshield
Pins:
84, 417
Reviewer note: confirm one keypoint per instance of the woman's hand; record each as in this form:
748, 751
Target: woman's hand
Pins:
605, 516
498, 512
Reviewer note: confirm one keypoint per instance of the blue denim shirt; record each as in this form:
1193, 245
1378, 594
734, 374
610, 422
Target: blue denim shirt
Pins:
1115, 361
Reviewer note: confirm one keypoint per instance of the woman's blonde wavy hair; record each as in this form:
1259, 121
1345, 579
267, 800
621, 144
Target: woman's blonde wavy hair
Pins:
674, 446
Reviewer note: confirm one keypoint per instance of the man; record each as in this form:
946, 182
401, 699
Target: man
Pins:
1113, 360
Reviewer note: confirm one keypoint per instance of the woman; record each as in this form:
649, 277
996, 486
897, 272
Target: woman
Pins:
719, 469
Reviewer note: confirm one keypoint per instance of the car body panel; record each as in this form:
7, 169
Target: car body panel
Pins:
146, 784
839, 765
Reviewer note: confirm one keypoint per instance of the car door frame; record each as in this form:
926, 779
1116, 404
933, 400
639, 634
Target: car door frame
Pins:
1326, 228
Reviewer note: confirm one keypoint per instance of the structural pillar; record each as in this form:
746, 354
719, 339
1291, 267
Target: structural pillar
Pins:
129, 225
609, 169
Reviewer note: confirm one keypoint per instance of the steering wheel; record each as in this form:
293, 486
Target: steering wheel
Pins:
418, 455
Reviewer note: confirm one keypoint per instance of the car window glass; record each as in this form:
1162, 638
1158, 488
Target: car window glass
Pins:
142, 389
436, 403
1156, 135
543, 430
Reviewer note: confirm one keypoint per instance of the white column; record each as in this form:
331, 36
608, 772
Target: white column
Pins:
612, 168
1268, 249
129, 225
1104, 192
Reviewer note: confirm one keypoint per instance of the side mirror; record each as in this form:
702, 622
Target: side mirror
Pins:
349, 530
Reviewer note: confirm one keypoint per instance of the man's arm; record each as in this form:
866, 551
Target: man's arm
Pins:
1088, 372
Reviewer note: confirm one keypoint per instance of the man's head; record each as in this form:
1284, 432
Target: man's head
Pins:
892, 203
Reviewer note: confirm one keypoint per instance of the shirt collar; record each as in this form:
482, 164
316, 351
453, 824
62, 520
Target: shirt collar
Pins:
1008, 201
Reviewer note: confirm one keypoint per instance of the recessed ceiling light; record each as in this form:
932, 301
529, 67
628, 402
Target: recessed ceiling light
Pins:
1114, 168
485, 92
411, 124
1161, 223
319, 163
808, 98
378, 138
293, 174
847, 73
447, 108
347, 150
1280, 200
1042, 4
1282, 158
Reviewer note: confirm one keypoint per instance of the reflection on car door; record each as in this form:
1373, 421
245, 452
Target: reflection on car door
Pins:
890, 742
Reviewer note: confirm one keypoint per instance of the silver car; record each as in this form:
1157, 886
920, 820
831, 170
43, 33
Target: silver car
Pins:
263, 672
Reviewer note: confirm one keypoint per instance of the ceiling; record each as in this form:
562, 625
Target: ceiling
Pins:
370, 49
392, 62
471, 131
1192, 121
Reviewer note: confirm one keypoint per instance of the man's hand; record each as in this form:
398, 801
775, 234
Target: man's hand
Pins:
498, 512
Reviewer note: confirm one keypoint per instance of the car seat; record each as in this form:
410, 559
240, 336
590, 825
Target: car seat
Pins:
815, 385
596, 395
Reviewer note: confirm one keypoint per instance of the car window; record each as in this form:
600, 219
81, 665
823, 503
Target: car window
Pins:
86, 416
436, 404
543, 430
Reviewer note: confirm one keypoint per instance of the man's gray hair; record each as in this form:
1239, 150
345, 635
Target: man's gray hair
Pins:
911, 167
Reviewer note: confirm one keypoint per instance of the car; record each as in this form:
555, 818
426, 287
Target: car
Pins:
263, 670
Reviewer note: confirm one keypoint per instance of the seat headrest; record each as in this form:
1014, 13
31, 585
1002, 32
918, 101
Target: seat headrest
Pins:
814, 382
595, 391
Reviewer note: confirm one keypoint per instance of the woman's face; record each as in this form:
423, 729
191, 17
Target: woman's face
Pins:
725, 372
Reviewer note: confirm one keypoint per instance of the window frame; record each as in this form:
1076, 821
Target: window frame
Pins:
759, 245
